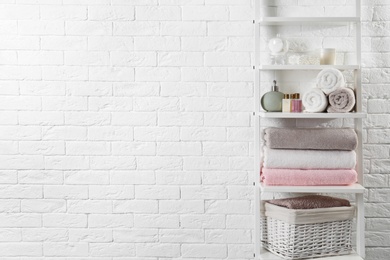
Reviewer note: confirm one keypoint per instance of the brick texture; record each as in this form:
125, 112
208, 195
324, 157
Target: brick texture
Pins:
126, 131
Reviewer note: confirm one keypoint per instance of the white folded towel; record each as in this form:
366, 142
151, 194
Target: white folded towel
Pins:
328, 80
309, 159
314, 101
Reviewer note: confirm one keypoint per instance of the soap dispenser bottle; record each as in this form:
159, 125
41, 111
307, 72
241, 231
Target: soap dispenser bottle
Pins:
272, 101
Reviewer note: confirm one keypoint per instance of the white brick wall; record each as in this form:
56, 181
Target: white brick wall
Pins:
125, 128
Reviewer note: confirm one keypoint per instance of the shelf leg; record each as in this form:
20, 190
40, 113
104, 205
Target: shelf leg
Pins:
257, 224
360, 242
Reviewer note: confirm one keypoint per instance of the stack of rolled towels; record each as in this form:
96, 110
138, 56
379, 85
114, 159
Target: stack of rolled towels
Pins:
309, 156
331, 94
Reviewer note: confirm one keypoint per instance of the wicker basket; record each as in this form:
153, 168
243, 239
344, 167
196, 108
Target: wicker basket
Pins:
307, 240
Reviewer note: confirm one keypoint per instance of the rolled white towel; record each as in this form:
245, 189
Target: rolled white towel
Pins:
341, 100
329, 80
314, 101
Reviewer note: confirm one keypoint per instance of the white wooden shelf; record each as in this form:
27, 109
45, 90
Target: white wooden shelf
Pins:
310, 115
308, 20
277, 25
265, 255
351, 189
307, 67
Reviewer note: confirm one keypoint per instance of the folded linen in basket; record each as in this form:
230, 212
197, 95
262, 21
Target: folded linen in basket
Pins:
309, 159
341, 100
314, 101
311, 138
328, 80
309, 216
308, 177
310, 202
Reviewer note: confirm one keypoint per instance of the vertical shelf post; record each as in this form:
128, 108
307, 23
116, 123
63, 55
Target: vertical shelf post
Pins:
256, 108
360, 240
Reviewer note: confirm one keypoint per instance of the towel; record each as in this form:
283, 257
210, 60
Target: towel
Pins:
310, 202
309, 159
314, 101
329, 80
341, 100
308, 177
311, 138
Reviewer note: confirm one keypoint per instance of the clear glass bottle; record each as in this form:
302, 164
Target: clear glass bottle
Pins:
278, 48
272, 101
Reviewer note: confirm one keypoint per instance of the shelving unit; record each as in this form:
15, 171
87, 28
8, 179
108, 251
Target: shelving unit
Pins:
356, 189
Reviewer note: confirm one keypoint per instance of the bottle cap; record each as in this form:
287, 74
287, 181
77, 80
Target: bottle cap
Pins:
286, 96
297, 95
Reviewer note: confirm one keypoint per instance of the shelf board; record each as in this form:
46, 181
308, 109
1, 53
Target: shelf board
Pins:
354, 188
308, 67
265, 255
310, 115
307, 20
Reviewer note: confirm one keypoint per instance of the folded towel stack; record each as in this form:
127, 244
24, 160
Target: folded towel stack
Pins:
309, 156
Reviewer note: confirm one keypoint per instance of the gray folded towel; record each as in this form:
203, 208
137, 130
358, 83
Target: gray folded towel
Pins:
311, 138
341, 100
310, 202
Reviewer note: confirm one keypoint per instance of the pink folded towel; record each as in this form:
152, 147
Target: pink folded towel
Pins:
308, 177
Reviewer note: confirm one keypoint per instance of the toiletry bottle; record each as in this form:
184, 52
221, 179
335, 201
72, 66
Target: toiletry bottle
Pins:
292, 104
286, 106
300, 104
272, 101
292, 97
296, 103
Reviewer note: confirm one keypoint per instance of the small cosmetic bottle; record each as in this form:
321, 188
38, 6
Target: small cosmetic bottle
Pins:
286, 103
292, 103
296, 103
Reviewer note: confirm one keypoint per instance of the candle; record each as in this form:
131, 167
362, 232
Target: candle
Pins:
327, 56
